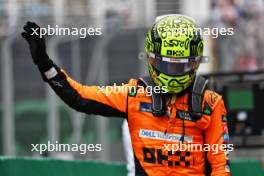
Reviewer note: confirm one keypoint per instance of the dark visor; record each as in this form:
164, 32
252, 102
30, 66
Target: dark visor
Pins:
176, 66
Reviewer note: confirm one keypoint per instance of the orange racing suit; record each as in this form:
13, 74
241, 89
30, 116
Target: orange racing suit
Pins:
154, 139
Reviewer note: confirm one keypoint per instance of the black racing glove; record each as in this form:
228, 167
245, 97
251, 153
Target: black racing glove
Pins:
37, 46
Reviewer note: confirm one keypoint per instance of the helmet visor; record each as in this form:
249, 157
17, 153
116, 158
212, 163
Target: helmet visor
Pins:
176, 66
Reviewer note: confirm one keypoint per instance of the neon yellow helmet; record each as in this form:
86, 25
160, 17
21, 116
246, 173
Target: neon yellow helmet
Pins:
174, 49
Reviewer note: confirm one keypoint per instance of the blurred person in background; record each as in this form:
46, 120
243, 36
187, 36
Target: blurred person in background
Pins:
243, 51
128, 149
182, 111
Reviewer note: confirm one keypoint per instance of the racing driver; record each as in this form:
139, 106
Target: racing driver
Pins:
180, 111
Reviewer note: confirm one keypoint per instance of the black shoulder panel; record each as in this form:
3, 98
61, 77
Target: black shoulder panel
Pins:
158, 101
196, 97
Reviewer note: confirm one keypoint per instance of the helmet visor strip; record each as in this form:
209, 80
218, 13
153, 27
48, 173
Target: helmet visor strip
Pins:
176, 66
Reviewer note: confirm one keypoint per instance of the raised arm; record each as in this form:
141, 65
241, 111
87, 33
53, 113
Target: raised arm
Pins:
86, 99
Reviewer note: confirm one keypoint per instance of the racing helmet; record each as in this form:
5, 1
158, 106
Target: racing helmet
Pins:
174, 49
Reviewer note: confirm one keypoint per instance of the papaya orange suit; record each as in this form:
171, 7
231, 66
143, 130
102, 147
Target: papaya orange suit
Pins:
154, 139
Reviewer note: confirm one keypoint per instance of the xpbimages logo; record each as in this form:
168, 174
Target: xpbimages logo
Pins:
82, 32
214, 148
57, 147
148, 90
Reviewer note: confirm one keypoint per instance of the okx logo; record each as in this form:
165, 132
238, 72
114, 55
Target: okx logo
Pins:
168, 158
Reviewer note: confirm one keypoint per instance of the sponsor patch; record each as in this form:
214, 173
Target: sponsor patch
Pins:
183, 115
145, 107
56, 83
132, 92
158, 135
207, 110
51, 73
